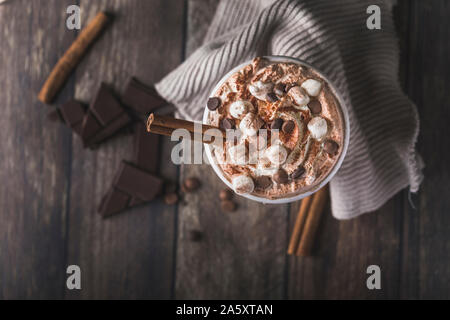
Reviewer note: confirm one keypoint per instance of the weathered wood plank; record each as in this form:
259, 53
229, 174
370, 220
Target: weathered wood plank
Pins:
35, 154
130, 255
241, 255
428, 77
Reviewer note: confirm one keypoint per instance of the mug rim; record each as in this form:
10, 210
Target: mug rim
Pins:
337, 165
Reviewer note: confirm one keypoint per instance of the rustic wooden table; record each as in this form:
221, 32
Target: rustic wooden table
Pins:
50, 186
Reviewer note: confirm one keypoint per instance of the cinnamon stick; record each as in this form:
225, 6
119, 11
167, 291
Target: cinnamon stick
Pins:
312, 222
165, 125
72, 57
299, 224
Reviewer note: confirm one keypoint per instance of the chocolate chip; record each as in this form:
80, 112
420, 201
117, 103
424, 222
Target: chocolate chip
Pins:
276, 124
228, 206
281, 176
263, 182
280, 89
315, 107
298, 172
227, 124
226, 194
213, 103
195, 235
171, 199
272, 97
288, 126
330, 147
191, 184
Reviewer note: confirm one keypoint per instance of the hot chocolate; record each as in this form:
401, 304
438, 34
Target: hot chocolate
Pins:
289, 128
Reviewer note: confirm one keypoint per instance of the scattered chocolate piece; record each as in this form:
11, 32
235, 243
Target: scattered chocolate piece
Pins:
113, 202
146, 149
71, 113
315, 106
276, 124
272, 97
171, 199
280, 89
191, 184
105, 106
104, 118
281, 176
263, 182
227, 124
228, 206
195, 235
330, 147
226, 194
213, 103
55, 116
142, 98
137, 183
288, 126
298, 172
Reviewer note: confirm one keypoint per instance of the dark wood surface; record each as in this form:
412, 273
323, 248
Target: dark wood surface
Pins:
51, 187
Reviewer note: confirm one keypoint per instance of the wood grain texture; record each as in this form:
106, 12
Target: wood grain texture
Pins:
242, 254
130, 255
34, 156
427, 84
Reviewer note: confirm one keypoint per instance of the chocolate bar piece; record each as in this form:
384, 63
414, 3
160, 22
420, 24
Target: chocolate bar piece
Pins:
131, 187
104, 118
71, 113
137, 182
141, 98
113, 202
146, 149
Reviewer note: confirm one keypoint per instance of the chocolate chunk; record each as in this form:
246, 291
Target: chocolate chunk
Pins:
105, 106
272, 97
55, 116
280, 89
146, 149
330, 147
226, 194
228, 206
171, 199
90, 127
137, 183
281, 176
195, 235
113, 202
191, 184
276, 124
227, 124
300, 171
73, 112
109, 130
263, 182
142, 98
104, 118
213, 103
315, 107
288, 126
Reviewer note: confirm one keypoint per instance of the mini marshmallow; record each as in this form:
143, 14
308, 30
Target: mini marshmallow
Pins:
299, 96
277, 154
243, 184
260, 89
312, 87
250, 124
240, 108
318, 127
237, 154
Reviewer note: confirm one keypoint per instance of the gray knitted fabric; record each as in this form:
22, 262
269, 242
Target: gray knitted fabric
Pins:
361, 63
